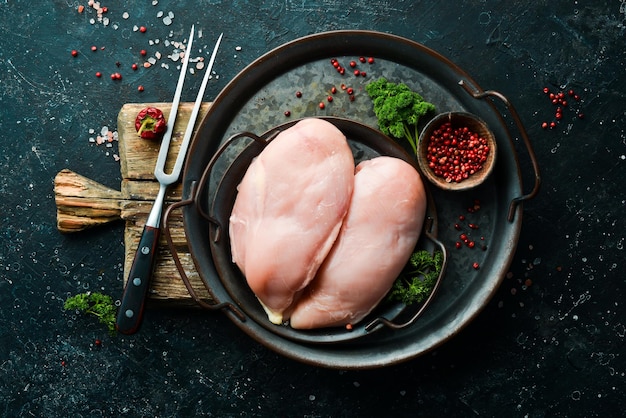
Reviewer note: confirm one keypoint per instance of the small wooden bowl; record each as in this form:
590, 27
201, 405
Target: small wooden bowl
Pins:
457, 120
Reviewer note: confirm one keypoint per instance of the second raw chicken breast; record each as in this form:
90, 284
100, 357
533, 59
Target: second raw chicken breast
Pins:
377, 237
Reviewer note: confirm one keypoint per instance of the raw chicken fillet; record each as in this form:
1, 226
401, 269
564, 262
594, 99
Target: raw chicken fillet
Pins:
376, 239
289, 210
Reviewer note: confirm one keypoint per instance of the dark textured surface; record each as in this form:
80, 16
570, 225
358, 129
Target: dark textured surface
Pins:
554, 348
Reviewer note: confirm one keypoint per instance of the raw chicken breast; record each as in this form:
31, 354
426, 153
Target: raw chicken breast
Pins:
376, 240
289, 209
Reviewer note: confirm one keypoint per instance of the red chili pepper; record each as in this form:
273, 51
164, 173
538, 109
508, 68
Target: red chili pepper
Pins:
150, 123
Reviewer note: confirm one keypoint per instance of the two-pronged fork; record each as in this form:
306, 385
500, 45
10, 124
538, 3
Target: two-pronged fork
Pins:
130, 312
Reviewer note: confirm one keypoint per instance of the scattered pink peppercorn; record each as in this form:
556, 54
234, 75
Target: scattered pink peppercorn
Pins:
298, 94
134, 67
287, 113
74, 53
94, 48
143, 53
322, 105
142, 29
476, 266
98, 74
140, 88
370, 60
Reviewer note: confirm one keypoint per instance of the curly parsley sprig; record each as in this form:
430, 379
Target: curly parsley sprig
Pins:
94, 303
418, 278
398, 109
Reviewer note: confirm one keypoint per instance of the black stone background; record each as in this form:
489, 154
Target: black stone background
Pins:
555, 348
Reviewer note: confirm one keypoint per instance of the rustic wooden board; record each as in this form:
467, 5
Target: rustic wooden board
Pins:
83, 203
137, 160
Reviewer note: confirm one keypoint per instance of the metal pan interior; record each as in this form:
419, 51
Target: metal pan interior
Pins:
366, 143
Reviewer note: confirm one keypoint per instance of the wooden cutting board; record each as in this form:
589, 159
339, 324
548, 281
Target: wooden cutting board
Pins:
83, 203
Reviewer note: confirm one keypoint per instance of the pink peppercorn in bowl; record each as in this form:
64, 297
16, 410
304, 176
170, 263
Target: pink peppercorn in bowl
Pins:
456, 151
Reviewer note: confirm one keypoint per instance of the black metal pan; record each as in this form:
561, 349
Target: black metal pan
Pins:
257, 100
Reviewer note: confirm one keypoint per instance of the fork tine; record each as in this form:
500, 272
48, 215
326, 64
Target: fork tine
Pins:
194, 113
167, 137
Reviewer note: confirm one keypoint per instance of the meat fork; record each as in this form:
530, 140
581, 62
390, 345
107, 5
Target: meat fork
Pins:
130, 312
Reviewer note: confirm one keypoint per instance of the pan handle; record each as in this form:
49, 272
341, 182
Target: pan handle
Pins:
181, 271
262, 141
390, 324
478, 94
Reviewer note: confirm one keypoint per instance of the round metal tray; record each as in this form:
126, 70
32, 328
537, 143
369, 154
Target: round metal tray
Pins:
257, 99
